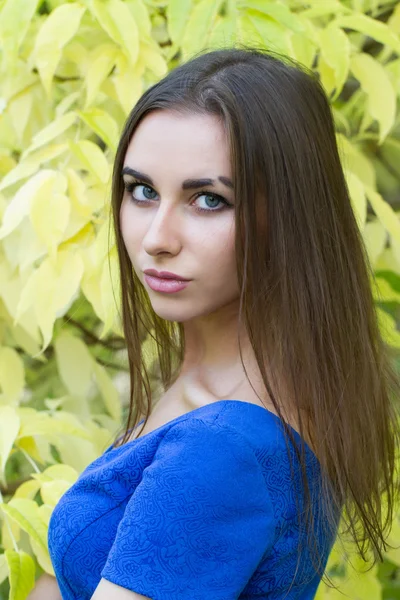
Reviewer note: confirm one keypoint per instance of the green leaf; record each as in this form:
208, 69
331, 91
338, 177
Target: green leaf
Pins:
385, 213
15, 18
102, 124
262, 29
101, 61
25, 513
177, 14
198, 26
9, 419
335, 49
381, 96
51, 131
75, 364
278, 11
117, 20
92, 159
371, 27
21, 567
57, 30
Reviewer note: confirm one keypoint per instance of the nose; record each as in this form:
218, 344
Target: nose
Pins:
163, 233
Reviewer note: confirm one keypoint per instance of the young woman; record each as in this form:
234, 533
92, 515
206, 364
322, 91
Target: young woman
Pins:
240, 255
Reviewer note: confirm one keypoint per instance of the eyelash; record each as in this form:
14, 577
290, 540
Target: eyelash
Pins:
131, 186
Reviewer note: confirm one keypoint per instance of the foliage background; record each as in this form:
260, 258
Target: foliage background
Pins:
69, 74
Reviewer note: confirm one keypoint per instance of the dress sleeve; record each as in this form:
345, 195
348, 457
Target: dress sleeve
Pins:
200, 520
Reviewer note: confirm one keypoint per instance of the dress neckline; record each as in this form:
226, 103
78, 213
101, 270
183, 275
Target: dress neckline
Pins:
196, 411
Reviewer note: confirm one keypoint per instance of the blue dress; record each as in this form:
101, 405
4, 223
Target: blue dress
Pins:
202, 508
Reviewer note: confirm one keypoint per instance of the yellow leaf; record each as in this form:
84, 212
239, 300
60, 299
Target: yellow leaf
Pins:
110, 293
29, 165
75, 364
28, 489
223, 33
49, 216
78, 453
30, 446
263, 30
57, 30
45, 511
372, 28
327, 74
356, 161
3, 567
91, 288
9, 428
21, 567
141, 15
151, 55
19, 110
278, 11
20, 205
379, 89
117, 20
327, 7
66, 103
12, 374
178, 12
51, 289
198, 26
92, 158
56, 472
101, 61
383, 291
387, 326
10, 533
375, 237
358, 199
6, 164
61, 423
102, 124
129, 87
15, 18
305, 44
51, 131
335, 49
108, 391
51, 491
385, 213
42, 554
25, 513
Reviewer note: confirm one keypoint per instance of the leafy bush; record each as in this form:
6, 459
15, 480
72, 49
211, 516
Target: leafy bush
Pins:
70, 73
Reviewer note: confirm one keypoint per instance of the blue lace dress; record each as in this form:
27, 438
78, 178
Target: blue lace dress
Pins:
202, 508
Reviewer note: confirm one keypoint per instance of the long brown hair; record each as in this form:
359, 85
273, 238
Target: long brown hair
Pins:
304, 276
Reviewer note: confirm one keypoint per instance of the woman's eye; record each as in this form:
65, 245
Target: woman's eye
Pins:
212, 201
141, 194
147, 191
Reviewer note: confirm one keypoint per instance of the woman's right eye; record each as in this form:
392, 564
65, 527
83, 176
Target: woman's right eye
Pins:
131, 187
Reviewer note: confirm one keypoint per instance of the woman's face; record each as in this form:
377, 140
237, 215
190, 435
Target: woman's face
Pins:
162, 224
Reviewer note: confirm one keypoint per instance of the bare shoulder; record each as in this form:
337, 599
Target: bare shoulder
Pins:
106, 590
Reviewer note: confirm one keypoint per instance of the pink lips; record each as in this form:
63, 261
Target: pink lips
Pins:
169, 286
165, 275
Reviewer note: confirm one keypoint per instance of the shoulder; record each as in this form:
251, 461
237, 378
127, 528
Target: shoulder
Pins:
212, 434
205, 451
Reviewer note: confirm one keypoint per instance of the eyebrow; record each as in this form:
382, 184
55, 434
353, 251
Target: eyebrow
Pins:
188, 184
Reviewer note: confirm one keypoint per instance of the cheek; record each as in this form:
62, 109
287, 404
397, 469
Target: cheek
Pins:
218, 254
128, 231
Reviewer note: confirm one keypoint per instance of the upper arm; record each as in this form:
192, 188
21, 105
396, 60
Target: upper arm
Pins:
46, 588
106, 590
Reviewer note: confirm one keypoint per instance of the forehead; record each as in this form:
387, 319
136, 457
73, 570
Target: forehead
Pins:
187, 142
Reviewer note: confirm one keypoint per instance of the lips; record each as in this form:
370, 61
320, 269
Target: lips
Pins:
165, 275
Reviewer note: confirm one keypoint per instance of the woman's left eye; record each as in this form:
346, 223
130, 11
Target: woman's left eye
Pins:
147, 192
